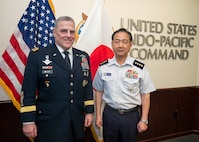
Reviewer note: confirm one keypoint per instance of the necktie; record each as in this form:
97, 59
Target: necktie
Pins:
67, 59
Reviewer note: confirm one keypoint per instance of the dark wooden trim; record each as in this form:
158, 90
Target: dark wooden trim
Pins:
161, 138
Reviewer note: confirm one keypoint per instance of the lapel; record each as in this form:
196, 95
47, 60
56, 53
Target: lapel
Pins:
76, 60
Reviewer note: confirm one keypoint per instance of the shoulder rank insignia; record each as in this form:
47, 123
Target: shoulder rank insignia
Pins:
35, 49
104, 62
138, 64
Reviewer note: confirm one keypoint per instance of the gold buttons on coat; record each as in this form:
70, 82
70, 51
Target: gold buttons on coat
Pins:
71, 84
71, 92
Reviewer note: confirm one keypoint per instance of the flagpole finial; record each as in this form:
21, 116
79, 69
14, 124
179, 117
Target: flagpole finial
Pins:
84, 16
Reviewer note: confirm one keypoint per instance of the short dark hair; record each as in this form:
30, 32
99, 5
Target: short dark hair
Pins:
123, 30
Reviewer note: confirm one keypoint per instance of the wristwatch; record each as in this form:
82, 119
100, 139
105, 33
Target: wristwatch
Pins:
145, 121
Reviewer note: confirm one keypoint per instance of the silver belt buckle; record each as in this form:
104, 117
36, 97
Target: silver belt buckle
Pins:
121, 111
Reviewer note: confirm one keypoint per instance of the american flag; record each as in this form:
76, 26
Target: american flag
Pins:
33, 30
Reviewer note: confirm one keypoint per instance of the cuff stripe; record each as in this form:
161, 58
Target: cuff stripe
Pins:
89, 102
28, 109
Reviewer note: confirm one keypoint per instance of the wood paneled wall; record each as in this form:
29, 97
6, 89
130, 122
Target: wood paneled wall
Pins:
10, 126
174, 112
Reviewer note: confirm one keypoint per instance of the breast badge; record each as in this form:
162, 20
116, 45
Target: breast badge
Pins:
47, 68
131, 88
47, 61
131, 74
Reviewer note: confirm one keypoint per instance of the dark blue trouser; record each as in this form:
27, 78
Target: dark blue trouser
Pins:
119, 127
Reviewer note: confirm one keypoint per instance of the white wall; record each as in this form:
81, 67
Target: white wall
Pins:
165, 73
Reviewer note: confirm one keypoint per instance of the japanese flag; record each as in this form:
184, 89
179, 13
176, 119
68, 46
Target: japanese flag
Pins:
95, 36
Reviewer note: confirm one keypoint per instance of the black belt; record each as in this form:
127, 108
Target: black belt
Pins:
123, 111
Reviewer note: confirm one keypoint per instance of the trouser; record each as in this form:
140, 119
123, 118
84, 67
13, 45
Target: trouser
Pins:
119, 127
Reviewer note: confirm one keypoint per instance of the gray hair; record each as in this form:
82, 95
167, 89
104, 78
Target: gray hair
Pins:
63, 18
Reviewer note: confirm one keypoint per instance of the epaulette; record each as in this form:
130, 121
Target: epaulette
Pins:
35, 49
104, 62
138, 64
